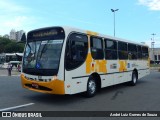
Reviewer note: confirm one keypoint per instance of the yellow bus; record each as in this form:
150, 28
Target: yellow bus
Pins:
65, 60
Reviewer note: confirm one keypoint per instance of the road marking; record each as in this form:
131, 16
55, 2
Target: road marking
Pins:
16, 107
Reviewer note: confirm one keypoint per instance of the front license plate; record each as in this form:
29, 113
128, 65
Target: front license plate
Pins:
35, 85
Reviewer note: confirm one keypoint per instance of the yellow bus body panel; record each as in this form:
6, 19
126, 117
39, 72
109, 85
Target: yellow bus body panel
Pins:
56, 86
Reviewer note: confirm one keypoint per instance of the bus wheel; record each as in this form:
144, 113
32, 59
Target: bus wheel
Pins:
134, 79
91, 87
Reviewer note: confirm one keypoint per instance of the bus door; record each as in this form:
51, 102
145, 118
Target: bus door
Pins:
75, 70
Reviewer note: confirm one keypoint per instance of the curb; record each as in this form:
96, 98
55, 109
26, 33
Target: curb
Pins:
9, 76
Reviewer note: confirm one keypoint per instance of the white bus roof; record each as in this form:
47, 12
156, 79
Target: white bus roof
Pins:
69, 29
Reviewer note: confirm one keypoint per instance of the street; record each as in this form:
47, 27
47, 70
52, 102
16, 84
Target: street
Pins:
142, 97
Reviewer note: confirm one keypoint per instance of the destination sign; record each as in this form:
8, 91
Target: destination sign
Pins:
46, 34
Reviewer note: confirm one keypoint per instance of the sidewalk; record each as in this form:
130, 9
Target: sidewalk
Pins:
154, 68
4, 72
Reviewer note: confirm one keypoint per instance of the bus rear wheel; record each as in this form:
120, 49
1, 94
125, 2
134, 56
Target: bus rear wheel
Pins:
91, 87
133, 82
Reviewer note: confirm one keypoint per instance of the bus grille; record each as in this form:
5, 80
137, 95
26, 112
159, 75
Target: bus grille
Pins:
39, 87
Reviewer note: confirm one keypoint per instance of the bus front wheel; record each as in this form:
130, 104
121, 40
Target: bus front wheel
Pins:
91, 87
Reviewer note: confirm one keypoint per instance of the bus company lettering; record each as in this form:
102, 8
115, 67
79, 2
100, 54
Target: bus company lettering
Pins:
113, 66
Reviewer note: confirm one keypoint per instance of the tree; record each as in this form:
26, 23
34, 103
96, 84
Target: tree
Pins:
10, 46
3, 43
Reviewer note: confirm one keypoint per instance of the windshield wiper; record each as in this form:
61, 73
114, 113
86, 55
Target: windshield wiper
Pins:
43, 49
28, 45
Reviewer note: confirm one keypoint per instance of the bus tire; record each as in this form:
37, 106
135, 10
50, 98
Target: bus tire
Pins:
91, 87
133, 82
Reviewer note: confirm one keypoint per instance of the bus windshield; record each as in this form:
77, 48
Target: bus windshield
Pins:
43, 51
43, 54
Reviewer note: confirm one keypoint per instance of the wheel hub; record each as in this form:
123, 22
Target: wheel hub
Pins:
92, 87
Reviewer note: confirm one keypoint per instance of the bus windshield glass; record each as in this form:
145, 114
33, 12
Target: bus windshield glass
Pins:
43, 52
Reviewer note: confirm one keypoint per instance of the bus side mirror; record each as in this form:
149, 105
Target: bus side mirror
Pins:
23, 38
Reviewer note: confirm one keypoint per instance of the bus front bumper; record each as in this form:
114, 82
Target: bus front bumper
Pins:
52, 87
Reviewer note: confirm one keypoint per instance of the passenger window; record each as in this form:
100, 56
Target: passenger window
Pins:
132, 51
76, 50
122, 51
139, 48
97, 48
145, 54
110, 49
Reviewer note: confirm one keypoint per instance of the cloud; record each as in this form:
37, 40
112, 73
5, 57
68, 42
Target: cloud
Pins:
7, 6
83, 21
151, 4
66, 16
16, 22
13, 16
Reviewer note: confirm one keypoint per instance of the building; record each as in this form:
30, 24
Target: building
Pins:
16, 35
19, 35
13, 34
154, 55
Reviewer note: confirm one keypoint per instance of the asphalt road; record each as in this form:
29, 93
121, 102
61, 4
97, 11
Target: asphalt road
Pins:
145, 96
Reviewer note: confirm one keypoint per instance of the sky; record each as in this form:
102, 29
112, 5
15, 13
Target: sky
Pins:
135, 20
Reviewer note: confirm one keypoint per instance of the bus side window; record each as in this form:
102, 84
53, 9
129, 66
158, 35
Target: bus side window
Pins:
132, 51
76, 51
122, 51
110, 49
139, 52
97, 48
145, 53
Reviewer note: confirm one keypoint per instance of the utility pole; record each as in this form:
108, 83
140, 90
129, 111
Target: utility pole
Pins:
114, 10
152, 43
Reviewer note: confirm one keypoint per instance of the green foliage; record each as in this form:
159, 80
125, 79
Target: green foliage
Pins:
10, 46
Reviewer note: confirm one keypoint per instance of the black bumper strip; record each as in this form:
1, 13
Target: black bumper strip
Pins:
107, 73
